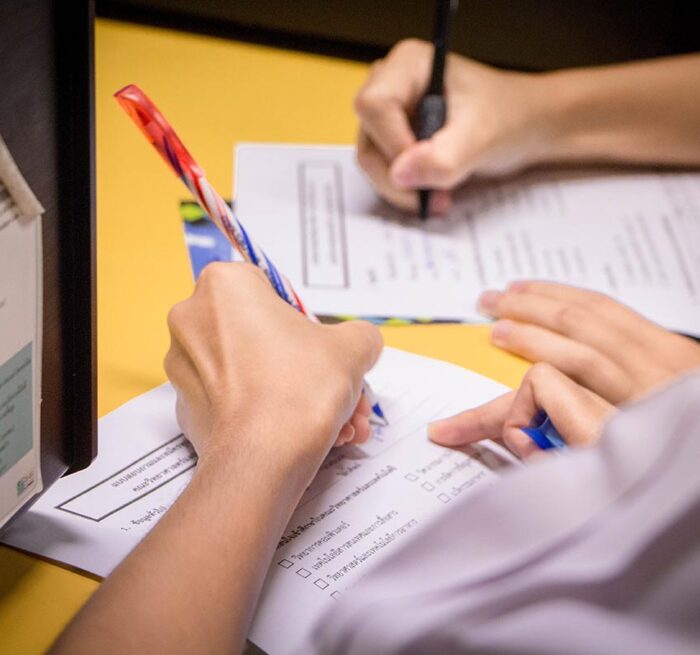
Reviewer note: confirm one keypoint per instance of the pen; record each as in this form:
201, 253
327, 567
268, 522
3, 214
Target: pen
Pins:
544, 434
432, 109
163, 138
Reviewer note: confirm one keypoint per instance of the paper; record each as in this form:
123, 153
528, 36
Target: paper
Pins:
632, 235
364, 500
20, 338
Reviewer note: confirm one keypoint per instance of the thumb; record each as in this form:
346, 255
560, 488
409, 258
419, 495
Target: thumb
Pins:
362, 342
441, 162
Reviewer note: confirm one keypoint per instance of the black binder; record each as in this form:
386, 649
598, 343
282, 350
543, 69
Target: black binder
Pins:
47, 122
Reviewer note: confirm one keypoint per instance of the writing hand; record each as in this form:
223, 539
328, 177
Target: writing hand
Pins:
577, 413
496, 123
242, 361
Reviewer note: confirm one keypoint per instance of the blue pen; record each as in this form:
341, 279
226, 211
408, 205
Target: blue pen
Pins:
544, 434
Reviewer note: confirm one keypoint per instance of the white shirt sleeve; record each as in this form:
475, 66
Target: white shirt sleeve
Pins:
596, 551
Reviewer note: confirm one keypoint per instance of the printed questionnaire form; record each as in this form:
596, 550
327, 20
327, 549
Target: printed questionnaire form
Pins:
364, 501
632, 235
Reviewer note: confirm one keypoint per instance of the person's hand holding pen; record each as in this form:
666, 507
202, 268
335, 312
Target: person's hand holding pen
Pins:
593, 353
499, 122
162, 136
494, 125
577, 414
265, 370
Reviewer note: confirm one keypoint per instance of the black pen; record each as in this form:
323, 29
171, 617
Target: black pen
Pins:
432, 109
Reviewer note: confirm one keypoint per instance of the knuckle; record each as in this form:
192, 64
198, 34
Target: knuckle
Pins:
370, 100
410, 46
169, 363
212, 274
540, 372
372, 338
568, 317
175, 316
216, 275
375, 67
582, 361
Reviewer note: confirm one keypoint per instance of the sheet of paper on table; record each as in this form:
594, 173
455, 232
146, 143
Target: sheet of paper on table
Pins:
20, 338
364, 500
632, 235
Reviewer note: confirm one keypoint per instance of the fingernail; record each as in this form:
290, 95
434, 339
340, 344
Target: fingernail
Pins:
487, 301
431, 431
500, 331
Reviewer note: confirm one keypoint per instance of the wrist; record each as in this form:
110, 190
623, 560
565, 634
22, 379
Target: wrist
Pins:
581, 110
273, 453
540, 128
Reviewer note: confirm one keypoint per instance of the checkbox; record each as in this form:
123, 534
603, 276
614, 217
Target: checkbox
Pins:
303, 573
336, 595
411, 477
428, 487
285, 563
444, 498
321, 584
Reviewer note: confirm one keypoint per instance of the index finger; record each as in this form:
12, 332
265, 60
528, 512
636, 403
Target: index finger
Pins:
615, 312
389, 96
570, 319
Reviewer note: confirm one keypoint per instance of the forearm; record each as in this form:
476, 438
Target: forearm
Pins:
192, 584
642, 112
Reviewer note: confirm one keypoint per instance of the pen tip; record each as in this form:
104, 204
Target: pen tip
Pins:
377, 411
424, 201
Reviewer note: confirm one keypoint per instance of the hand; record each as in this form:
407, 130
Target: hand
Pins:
244, 362
262, 393
577, 414
497, 122
598, 342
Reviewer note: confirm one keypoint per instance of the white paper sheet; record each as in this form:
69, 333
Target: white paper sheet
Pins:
364, 500
20, 338
632, 235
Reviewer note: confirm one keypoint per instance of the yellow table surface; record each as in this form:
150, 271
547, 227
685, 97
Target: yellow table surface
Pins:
215, 92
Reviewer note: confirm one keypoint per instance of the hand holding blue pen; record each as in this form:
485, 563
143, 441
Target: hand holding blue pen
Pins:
548, 412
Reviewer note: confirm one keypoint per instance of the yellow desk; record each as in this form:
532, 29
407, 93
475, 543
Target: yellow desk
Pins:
215, 92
